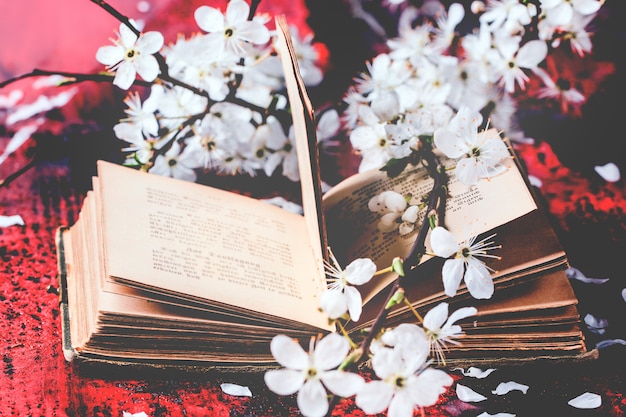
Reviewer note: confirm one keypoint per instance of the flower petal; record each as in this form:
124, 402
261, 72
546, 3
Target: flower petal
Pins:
442, 242
452, 274
355, 303
148, 67
506, 387
288, 352
401, 405
374, 397
150, 42
360, 271
312, 399
468, 395
236, 390
284, 381
428, 386
449, 143
343, 384
127, 36
609, 172
253, 32
474, 372
110, 54
333, 303
15, 219
459, 314
434, 319
478, 280
209, 19
125, 75
468, 171
586, 400
331, 351
574, 273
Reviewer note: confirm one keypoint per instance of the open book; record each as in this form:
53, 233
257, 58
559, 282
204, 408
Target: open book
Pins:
164, 272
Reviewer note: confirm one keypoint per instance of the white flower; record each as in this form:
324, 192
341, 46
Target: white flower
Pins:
391, 205
283, 151
514, 59
464, 265
373, 144
232, 30
141, 148
176, 164
441, 331
403, 385
510, 15
468, 395
482, 154
446, 25
132, 55
311, 374
143, 115
341, 296
561, 12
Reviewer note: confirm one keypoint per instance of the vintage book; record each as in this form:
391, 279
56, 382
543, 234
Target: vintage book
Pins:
163, 272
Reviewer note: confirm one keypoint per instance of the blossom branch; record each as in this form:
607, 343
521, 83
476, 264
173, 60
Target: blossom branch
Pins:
78, 77
437, 198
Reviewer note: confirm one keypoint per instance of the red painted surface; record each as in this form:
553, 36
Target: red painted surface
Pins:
35, 379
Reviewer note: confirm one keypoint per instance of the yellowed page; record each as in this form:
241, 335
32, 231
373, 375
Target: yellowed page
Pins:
303, 117
352, 228
207, 243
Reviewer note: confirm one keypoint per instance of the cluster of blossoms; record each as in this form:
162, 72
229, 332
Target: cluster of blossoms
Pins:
399, 356
216, 102
433, 90
430, 71
216, 97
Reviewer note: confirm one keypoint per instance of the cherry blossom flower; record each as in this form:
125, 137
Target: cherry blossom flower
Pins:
561, 12
341, 296
482, 154
283, 151
141, 148
231, 30
132, 55
176, 164
143, 114
508, 15
514, 59
442, 329
311, 374
391, 205
465, 264
405, 383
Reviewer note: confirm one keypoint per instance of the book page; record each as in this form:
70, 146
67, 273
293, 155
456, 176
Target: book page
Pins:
470, 210
207, 243
304, 127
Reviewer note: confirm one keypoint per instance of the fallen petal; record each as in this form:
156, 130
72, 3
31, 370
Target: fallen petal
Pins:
609, 172
485, 414
596, 325
468, 395
586, 400
534, 181
624, 294
139, 414
473, 372
573, 273
506, 387
610, 342
237, 390
6, 221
